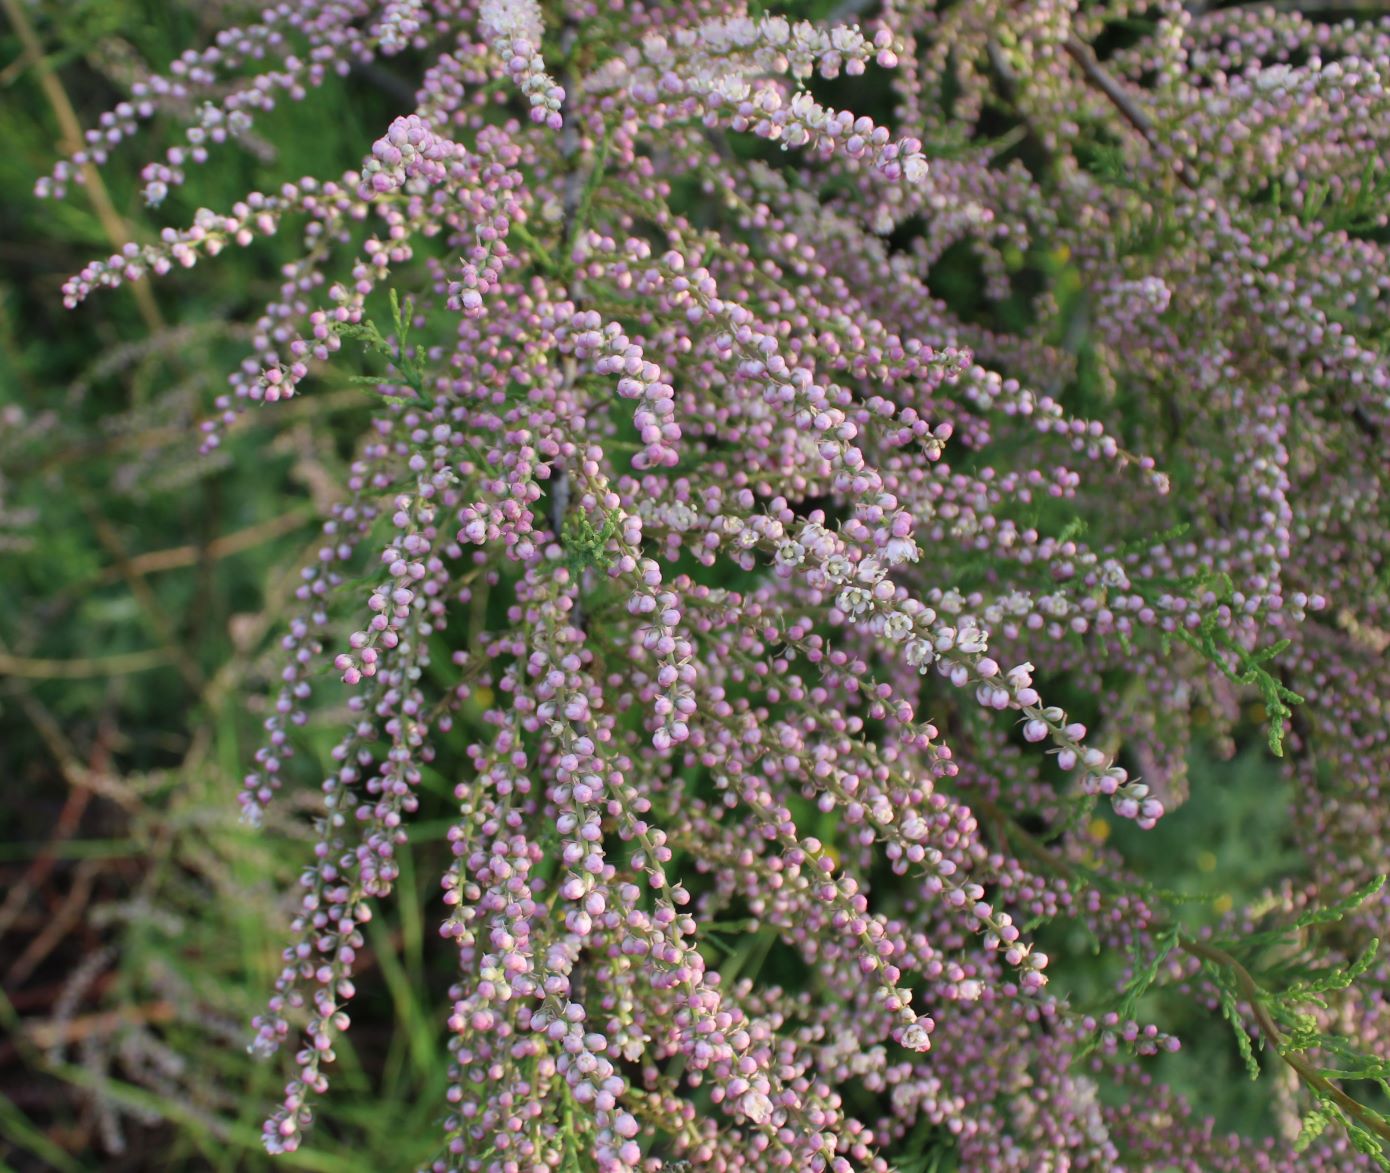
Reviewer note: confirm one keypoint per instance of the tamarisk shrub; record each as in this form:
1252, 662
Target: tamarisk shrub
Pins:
813, 592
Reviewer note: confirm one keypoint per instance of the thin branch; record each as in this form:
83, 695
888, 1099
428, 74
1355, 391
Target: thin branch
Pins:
1080, 52
48, 1034
234, 543
60, 923
96, 777
1310, 1075
85, 668
1094, 72
69, 819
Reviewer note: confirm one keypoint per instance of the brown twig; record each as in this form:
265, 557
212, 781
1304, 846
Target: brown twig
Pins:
83, 668
229, 675
1095, 74
1080, 52
69, 818
299, 408
78, 777
233, 543
69, 912
49, 1034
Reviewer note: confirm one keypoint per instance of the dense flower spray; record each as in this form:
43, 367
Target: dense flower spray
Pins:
798, 559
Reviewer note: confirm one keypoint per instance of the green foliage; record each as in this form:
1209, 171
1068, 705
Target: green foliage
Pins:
1278, 974
1226, 992
1313, 1125
586, 546
1318, 204
1211, 639
1146, 975
396, 350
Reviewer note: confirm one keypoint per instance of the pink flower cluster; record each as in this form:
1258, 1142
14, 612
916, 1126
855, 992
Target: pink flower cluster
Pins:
779, 640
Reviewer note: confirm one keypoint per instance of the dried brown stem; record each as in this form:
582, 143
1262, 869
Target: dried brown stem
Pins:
1095, 74
67, 915
223, 547
49, 1034
83, 668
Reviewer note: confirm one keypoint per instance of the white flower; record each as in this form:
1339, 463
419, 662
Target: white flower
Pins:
920, 654
971, 640
1017, 603
897, 626
846, 39
730, 87
1276, 77
913, 828
870, 570
838, 569
756, 1107
855, 601
900, 550
808, 111
790, 554
1112, 574
915, 1038
776, 29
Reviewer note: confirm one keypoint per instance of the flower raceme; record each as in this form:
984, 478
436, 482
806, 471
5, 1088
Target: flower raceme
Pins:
788, 555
